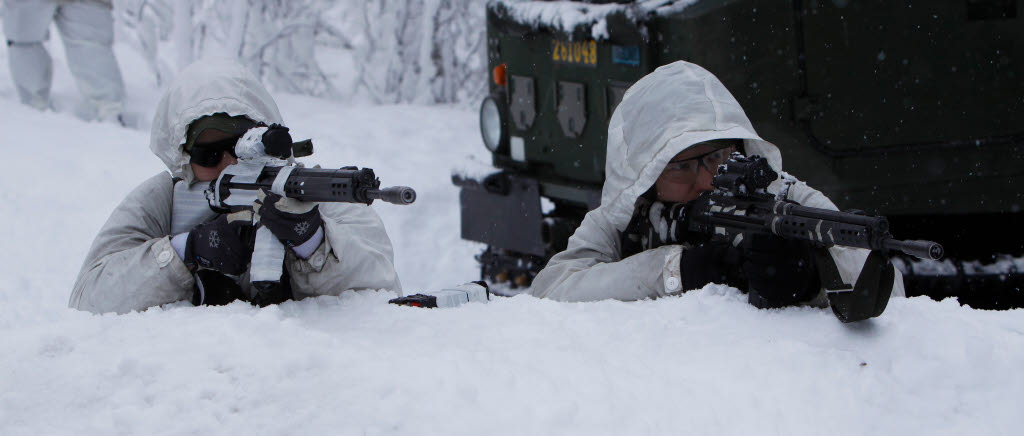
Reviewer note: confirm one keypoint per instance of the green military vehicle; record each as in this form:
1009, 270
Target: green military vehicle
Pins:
912, 109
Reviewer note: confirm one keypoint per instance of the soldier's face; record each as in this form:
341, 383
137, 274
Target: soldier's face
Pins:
206, 174
689, 173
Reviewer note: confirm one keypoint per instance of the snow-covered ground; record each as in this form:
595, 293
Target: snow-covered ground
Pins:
703, 363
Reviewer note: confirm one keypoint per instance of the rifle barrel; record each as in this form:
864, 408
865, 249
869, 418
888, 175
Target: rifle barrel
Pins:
920, 249
832, 215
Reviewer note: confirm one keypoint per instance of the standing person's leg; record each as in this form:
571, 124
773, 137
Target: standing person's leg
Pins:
26, 27
87, 28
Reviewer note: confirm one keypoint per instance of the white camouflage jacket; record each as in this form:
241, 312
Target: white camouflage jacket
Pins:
664, 113
131, 264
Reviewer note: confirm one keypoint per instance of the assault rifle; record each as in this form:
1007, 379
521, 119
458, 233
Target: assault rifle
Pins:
343, 185
740, 207
265, 162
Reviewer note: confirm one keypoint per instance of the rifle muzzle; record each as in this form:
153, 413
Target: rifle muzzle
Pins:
393, 195
919, 249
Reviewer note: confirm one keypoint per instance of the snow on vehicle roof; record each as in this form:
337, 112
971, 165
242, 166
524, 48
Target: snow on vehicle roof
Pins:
567, 16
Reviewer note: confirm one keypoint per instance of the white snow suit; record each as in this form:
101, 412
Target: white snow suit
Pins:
664, 113
132, 265
87, 28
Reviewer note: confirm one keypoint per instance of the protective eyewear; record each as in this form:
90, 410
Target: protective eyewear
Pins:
209, 154
685, 171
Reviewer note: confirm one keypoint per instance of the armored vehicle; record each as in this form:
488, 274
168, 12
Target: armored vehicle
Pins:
912, 109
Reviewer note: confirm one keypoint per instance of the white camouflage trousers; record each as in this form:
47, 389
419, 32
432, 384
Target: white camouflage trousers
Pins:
87, 29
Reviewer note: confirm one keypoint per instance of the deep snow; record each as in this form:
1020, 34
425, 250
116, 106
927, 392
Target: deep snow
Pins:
702, 363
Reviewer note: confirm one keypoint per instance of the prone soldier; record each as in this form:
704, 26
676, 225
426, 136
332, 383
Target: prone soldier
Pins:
144, 256
666, 139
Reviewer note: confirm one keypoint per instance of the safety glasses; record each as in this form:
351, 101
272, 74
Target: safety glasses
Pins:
685, 171
209, 154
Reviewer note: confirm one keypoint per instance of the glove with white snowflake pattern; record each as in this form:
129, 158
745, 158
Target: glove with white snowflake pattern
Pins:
293, 221
223, 244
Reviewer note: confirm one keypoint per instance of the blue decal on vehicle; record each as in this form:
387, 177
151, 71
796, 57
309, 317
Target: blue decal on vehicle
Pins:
626, 54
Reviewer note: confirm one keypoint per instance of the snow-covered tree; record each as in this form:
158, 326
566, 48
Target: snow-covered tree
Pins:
145, 23
422, 50
403, 50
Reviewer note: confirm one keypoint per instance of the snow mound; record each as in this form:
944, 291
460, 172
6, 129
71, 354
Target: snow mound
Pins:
706, 361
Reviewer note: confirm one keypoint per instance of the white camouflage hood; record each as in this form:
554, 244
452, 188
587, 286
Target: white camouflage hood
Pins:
206, 87
662, 114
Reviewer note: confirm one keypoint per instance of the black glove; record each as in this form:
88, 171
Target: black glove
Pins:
710, 262
779, 272
223, 244
292, 221
655, 224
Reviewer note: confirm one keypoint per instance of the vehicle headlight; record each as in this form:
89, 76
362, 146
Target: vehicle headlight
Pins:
492, 124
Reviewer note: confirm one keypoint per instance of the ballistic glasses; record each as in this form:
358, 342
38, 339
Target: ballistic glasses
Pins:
685, 170
209, 154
